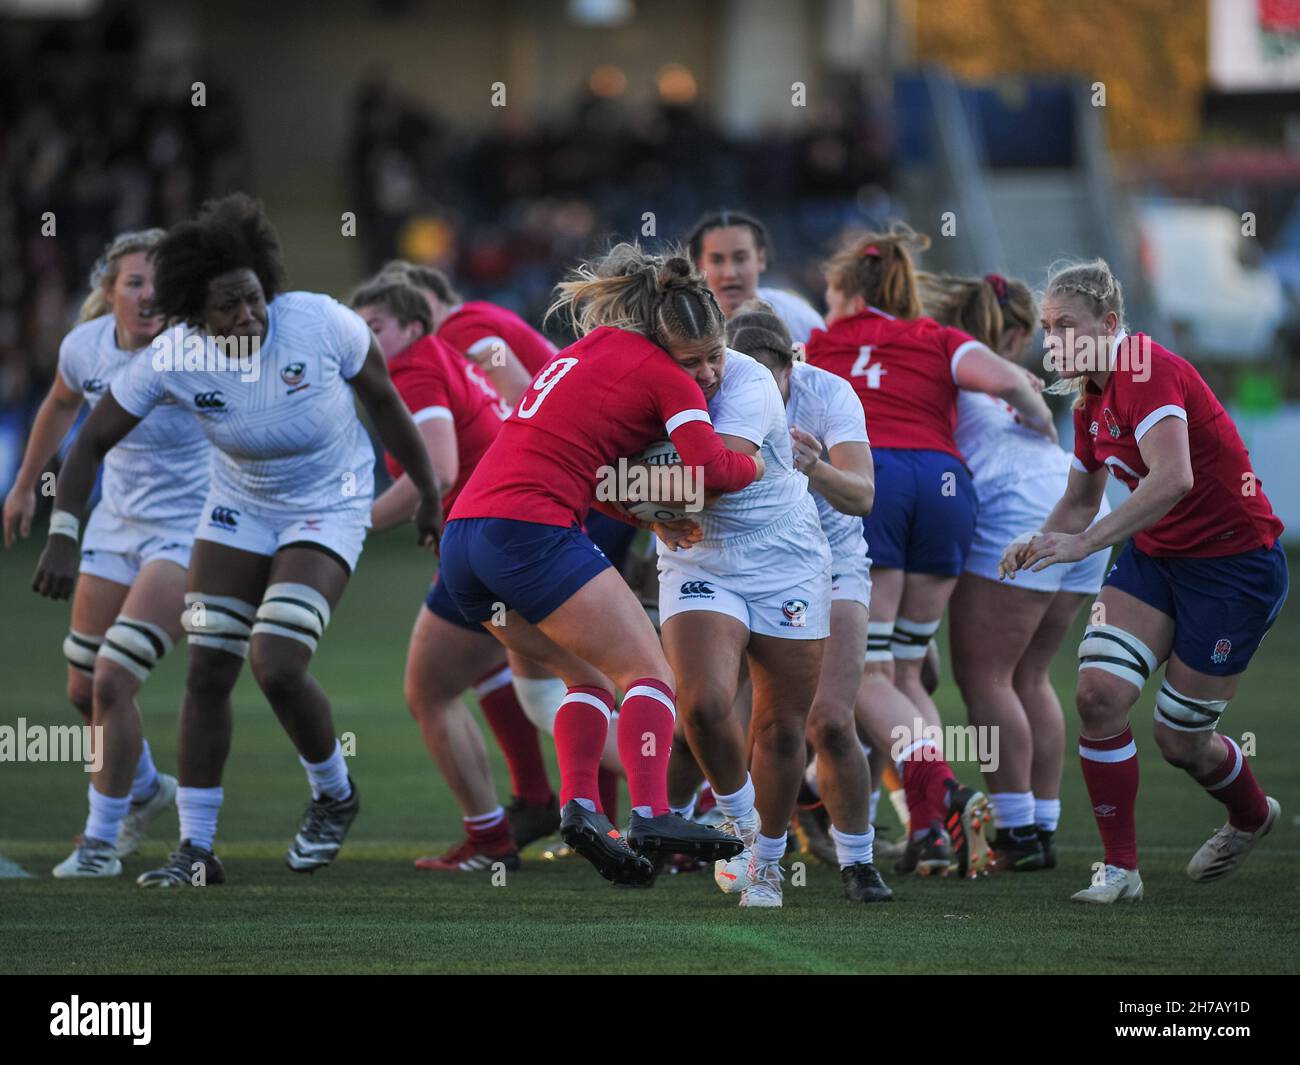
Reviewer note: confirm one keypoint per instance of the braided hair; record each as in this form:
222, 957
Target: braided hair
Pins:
661, 297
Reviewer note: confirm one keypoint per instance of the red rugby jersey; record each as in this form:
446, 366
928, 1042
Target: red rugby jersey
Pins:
610, 395
1225, 513
435, 381
904, 372
475, 326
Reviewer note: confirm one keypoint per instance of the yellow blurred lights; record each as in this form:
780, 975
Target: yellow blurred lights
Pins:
608, 80
676, 84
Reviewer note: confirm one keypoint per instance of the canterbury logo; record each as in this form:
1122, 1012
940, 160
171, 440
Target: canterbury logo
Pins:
92, 384
210, 401
696, 588
225, 516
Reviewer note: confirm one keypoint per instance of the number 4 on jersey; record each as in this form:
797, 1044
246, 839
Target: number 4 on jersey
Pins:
862, 367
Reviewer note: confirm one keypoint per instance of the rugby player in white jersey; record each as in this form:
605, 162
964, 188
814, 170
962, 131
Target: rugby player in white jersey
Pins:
1003, 668
830, 446
733, 249
126, 613
286, 514
753, 583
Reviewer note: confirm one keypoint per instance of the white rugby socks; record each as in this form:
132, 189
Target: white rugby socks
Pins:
1012, 809
330, 777
854, 849
198, 809
739, 803
146, 776
106, 815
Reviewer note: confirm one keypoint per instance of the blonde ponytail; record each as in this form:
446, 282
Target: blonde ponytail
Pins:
661, 297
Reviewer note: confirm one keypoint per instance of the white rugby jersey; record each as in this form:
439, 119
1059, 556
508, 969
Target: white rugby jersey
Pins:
748, 405
997, 447
158, 472
824, 404
290, 441
797, 313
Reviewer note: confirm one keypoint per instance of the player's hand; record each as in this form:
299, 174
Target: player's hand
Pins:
20, 507
57, 570
1048, 549
762, 466
679, 534
807, 450
1013, 558
428, 522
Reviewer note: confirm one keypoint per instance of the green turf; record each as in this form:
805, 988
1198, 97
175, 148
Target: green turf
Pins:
371, 912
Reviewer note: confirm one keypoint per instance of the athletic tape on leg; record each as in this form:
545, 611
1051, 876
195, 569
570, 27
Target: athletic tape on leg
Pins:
294, 611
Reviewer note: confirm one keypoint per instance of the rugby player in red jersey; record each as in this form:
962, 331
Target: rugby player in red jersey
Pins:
500, 343
1198, 584
459, 415
908, 370
515, 551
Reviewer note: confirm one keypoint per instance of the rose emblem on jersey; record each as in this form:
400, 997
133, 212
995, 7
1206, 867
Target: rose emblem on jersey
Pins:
1112, 426
1222, 648
293, 373
795, 611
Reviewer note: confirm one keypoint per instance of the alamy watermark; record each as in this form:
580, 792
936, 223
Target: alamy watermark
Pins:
670, 485
198, 353
952, 743
53, 743
1074, 353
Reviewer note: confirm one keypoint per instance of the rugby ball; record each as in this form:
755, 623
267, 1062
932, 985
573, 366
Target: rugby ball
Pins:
651, 487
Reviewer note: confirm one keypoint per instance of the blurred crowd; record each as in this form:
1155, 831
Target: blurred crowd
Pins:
505, 213
95, 138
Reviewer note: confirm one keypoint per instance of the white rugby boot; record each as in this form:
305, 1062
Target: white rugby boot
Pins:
764, 890
732, 876
141, 815
92, 858
1112, 885
1227, 848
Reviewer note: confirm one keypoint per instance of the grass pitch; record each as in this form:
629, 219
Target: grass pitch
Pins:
372, 912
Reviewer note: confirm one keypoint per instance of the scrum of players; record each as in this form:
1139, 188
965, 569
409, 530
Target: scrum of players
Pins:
860, 476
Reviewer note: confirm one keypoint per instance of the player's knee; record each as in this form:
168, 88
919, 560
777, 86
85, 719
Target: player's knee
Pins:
209, 678
831, 731
80, 649
880, 655
910, 642
114, 687
279, 675
1177, 748
218, 623
707, 708
1110, 650
132, 647
425, 700
782, 738
1113, 667
1102, 703
81, 694
1185, 726
294, 611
